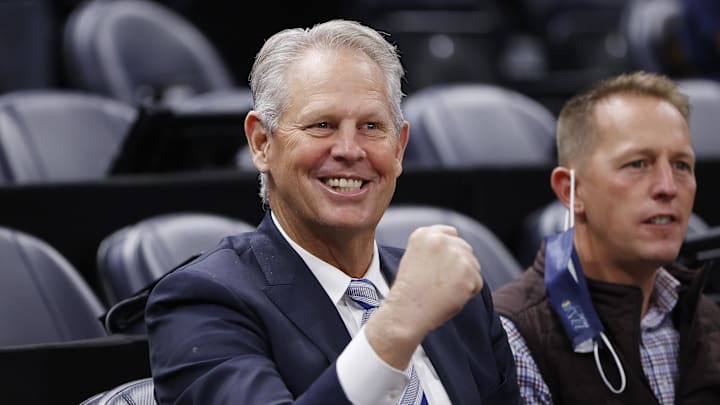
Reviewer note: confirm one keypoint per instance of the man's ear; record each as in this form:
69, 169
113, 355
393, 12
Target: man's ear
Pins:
257, 139
560, 182
401, 146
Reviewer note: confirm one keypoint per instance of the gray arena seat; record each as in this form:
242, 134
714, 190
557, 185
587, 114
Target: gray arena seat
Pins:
652, 32
133, 257
59, 135
43, 298
498, 264
140, 51
477, 125
135, 392
704, 116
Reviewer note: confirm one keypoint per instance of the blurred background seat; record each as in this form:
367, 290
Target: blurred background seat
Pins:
236, 100
704, 116
132, 257
498, 264
560, 46
43, 298
59, 135
477, 125
140, 51
135, 392
441, 41
652, 29
219, 107
678, 38
700, 33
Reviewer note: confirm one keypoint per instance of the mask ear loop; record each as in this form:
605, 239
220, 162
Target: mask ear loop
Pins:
569, 223
570, 214
620, 369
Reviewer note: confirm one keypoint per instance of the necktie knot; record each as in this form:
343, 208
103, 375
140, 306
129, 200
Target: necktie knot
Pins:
363, 292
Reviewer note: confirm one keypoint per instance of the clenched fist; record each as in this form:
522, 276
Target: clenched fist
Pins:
438, 275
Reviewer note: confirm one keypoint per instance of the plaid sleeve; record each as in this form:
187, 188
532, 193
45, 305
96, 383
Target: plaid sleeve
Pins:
532, 386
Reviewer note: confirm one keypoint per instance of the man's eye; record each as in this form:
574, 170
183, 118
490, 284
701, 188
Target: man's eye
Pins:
371, 125
322, 125
638, 164
683, 166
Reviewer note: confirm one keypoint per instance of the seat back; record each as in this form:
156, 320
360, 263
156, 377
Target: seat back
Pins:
138, 51
704, 116
236, 100
579, 35
136, 392
133, 257
652, 32
475, 125
43, 298
58, 135
444, 41
498, 264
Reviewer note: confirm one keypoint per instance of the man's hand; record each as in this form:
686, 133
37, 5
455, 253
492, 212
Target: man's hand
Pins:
438, 275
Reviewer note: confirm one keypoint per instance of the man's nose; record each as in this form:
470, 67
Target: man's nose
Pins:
346, 145
664, 182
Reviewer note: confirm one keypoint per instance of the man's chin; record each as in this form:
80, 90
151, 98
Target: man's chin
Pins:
352, 221
665, 256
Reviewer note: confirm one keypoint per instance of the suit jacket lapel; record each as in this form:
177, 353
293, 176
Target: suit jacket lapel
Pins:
297, 293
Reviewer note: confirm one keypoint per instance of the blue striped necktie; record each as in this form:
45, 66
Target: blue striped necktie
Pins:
363, 292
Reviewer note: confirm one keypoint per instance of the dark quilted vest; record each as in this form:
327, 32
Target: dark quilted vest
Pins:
573, 378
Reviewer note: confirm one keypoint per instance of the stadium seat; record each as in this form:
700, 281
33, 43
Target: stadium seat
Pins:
477, 125
140, 51
136, 392
498, 264
652, 32
704, 116
59, 135
43, 298
135, 256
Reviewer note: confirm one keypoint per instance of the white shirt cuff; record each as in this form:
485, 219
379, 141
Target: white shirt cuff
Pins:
365, 377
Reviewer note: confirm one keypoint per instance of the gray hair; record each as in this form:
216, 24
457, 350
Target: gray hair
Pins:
576, 127
283, 49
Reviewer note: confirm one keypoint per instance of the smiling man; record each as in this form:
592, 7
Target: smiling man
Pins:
626, 168
282, 314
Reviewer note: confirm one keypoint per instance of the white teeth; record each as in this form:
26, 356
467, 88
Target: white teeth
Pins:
661, 220
344, 184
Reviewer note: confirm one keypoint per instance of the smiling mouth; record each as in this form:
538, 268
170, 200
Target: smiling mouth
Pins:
661, 220
343, 184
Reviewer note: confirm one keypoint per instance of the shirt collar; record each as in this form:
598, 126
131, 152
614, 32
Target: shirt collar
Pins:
333, 280
666, 291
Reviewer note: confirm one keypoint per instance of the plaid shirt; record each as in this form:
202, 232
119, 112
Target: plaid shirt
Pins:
658, 348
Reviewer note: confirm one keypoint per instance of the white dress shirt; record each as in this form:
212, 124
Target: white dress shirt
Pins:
363, 375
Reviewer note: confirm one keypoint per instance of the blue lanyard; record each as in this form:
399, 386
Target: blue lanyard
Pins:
570, 299
568, 292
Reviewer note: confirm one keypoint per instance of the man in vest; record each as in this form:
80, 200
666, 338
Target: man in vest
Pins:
604, 315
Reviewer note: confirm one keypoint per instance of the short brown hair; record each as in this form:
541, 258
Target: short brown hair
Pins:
576, 129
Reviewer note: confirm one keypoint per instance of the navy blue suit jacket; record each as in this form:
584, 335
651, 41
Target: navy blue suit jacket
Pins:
248, 323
